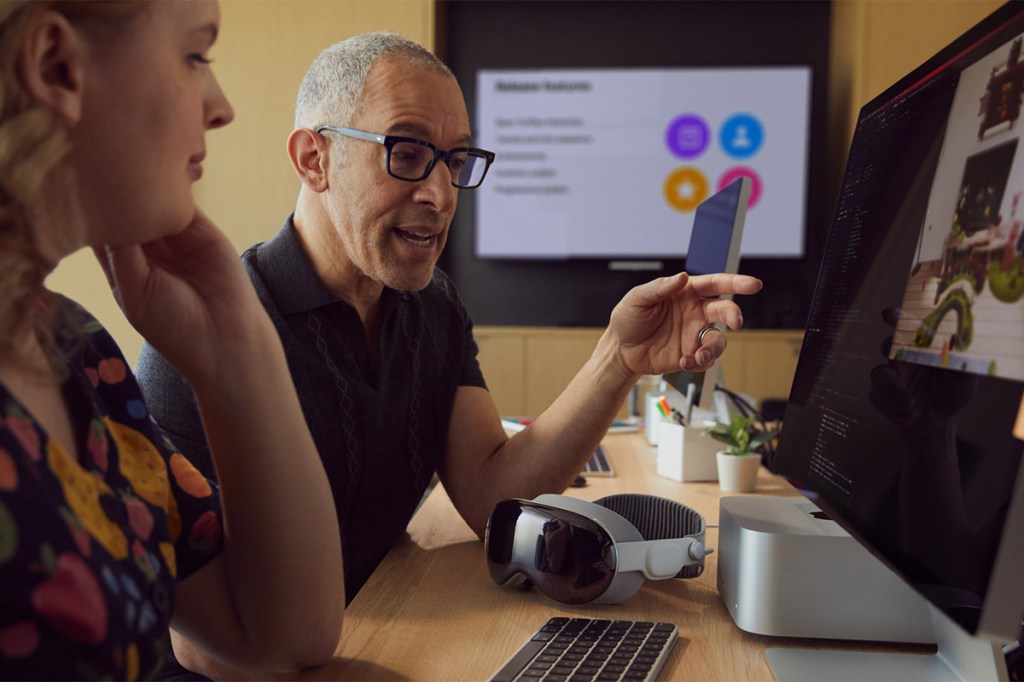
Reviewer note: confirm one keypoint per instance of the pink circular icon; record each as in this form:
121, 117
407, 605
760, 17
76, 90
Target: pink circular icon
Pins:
739, 172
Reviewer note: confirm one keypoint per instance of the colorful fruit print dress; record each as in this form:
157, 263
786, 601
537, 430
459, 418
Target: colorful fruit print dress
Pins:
90, 548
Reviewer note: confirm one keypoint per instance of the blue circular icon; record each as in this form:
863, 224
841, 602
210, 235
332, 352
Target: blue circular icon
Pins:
687, 136
741, 136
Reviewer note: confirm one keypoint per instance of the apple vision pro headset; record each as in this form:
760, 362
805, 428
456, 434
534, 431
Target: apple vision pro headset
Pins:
579, 552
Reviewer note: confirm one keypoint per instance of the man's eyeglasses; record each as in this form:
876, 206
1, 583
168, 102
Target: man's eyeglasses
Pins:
411, 159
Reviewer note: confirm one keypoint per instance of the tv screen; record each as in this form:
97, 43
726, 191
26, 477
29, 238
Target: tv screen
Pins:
581, 213
612, 162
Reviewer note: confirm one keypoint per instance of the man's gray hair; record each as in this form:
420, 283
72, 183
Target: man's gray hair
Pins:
334, 83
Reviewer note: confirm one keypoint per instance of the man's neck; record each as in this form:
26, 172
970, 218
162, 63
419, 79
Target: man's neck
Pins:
339, 276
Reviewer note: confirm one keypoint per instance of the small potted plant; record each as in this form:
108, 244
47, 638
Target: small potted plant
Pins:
739, 462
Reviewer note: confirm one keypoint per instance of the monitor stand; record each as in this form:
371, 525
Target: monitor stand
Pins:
959, 657
705, 418
779, 562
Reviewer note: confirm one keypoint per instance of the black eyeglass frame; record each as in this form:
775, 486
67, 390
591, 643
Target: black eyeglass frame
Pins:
389, 141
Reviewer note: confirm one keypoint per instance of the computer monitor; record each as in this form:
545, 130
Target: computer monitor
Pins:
900, 422
714, 247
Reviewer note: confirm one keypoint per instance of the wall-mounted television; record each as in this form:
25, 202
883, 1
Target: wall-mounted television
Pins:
612, 162
594, 108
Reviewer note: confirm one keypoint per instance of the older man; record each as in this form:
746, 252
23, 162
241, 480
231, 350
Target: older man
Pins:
379, 345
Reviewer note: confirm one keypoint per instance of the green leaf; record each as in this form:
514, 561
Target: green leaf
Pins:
723, 438
741, 435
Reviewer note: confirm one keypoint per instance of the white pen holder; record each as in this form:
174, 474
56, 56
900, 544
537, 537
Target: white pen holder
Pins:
685, 453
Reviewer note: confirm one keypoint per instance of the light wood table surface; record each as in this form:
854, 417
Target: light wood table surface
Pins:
431, 611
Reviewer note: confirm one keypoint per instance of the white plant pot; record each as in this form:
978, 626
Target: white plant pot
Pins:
737, 473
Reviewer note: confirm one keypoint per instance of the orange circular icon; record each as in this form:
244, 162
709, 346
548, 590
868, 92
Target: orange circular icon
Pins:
685, 188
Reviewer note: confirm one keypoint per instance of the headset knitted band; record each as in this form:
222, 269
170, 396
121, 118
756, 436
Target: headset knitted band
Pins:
658, 518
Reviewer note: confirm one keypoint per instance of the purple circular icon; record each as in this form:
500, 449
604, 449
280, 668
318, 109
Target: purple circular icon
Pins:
687, 136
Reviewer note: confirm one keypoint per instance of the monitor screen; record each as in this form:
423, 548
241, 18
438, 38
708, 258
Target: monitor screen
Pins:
901, 416
718, 228
583, 153
714, 246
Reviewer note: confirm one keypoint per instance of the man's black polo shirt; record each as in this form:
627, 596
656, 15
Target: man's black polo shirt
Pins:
380, 440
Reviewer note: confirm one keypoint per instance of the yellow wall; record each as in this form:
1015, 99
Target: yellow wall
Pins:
266, 46
248, 186
874, 44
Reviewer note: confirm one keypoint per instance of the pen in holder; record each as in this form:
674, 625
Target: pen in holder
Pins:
652, 418
658, 411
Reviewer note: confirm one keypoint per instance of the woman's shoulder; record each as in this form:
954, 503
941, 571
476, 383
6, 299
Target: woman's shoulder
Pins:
77, 331
92, 356
72, 319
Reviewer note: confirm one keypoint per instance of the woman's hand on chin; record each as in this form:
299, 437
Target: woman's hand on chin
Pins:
187, 294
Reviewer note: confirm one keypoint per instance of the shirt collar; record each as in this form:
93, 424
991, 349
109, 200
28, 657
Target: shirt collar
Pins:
289, 274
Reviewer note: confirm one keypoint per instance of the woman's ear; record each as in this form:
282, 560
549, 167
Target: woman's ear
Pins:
309, 157
51, 65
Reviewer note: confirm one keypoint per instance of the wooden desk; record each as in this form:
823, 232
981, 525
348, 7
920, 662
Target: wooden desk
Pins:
432, 612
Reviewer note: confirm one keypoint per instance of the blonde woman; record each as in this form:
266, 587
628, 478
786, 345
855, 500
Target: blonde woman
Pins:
108, 535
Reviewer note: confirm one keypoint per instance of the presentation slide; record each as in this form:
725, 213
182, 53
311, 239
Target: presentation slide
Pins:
612, 163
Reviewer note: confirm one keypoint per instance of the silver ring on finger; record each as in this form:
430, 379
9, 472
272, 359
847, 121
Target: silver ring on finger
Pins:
705, 330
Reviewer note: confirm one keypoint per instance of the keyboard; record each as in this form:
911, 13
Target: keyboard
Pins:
589, 649
598, 464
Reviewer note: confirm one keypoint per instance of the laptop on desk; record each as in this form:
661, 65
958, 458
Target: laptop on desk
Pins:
599, 463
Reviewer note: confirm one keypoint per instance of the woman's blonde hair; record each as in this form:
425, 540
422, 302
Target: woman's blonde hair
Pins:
32, 143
